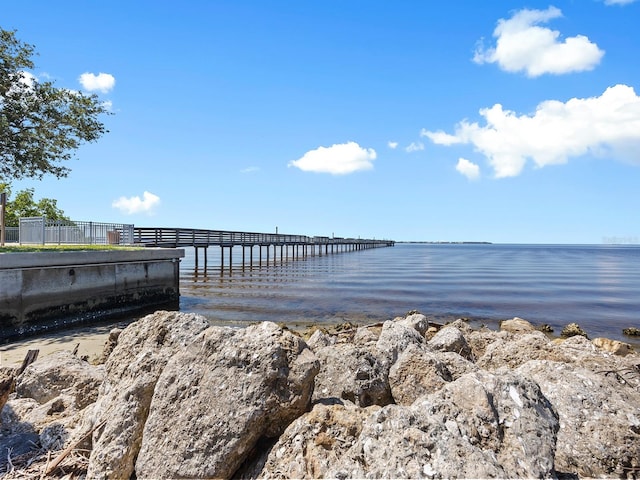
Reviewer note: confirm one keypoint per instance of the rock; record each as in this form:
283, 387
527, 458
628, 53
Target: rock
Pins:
215, 400
315, 442
516, 325
479, 426
61, 373
132, 370
456, 365
632, 331
417, 372
515, 350
395, 337
320, 339
451, 339
366, 336
545, 328
111, 343
355, 373
599, 432
417, 321
613, 346
572, 330
7, 385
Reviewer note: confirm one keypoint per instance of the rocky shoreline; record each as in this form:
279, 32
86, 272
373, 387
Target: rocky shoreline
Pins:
177, 398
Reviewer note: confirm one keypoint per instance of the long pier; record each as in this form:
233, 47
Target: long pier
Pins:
300, 246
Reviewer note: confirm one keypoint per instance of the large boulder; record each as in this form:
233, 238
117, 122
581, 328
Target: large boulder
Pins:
216, 399
599, 415
132, 370
479, 426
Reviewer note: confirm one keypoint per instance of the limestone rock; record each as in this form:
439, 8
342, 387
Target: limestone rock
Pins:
479, 426
613, 346
455, 364
451, 339
215, 399
516, 325
320, 339
395, 337
359, 374
417, 372
366, 336
599, 417
571, 330
315, 442
417, 321
631, 331
111, 343
132, 370
515, 350
60, 373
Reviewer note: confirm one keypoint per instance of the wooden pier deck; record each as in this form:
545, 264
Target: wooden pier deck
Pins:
297, 246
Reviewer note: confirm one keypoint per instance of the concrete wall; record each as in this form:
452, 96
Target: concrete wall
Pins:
47, 290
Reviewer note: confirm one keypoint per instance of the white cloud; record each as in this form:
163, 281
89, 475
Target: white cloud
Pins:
338, 159
135, 204
392, 145
415, 147
468, 169
103, 82
605, 126
618, 2
522, 45
250, 170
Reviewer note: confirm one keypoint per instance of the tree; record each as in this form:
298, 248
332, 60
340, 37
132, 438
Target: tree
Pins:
24, 205
40, 125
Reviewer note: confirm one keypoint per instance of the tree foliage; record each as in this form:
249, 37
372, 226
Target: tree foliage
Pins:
40, 125
25, 205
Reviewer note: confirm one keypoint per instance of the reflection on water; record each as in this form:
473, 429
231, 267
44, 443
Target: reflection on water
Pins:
595, 286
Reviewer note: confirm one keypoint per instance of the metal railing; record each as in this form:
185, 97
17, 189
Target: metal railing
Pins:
41, 231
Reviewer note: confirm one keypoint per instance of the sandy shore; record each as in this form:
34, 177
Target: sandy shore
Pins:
91, 341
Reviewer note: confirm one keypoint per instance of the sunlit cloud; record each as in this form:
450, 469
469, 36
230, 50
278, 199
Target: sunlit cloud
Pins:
468, 169
392, 145
524, 46
618, 2
415, 147
607, 126
250, 170
339, 159
131, 205
103, 82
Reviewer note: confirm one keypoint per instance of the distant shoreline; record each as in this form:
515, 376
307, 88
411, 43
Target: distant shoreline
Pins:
447, 243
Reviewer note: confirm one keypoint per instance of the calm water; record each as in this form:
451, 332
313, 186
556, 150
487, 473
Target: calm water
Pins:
595, 286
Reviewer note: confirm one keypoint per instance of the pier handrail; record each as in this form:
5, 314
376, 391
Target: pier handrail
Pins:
194, 237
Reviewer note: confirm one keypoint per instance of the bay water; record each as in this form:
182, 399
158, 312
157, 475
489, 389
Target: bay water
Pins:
596, 286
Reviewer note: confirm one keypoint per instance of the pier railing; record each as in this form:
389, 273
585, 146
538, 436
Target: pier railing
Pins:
189, 237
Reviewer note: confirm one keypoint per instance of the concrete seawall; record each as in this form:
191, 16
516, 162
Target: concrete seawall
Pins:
42, 291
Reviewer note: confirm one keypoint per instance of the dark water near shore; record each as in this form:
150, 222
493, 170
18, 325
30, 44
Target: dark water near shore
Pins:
597, 286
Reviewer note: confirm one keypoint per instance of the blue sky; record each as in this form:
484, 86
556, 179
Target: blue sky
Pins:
509, 122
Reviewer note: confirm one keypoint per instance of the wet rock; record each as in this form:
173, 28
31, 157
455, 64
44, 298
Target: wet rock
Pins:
417, 372
358, 374
516, 325
599, 418
632, 331
451, 339
214, 400
572, 330
132, 370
